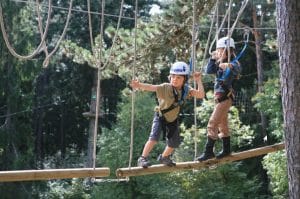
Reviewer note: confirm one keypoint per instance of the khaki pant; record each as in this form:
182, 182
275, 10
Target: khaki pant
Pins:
218, 122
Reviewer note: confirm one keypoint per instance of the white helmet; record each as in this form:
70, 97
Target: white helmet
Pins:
180, 68
224, 42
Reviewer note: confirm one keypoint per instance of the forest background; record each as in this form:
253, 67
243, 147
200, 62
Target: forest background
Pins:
46, 108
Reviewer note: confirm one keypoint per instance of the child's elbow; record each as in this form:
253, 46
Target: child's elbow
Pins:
200, 95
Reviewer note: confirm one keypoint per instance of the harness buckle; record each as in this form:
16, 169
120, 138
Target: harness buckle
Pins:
157, 109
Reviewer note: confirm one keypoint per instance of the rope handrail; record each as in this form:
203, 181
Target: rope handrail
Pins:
46, 61
229, 36
209, 35
219, 29
238, 17
90, 24
116, 35
99, 67
41, 26
133, 93
230, 29
10, 47
194, 39
98, 63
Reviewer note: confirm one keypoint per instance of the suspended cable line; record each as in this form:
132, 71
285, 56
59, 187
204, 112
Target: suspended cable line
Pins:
76, 10
32, 109
132, 18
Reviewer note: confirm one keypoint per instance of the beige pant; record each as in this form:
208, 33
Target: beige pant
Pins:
218, 122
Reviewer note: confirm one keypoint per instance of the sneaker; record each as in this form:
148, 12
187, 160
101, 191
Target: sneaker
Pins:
166, 161
143, 162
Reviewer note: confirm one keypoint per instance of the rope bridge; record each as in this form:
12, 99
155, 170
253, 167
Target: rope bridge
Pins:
181, 166
51, 174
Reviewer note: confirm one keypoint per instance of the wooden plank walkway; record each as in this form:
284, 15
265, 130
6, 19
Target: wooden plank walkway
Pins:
182, 166
50, 174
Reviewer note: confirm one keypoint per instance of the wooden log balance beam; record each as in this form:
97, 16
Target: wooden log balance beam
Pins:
50, 174
181, 166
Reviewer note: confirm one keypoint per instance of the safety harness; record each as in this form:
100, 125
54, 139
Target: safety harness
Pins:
177, 102
229, 93
236, 58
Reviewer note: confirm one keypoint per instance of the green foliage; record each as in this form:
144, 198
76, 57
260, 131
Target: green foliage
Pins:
73, 189
151, 54
115, 142
225, 181
269, 102
16, 90
276, 166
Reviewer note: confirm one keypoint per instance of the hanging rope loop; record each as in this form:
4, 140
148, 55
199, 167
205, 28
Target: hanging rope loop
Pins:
43, 37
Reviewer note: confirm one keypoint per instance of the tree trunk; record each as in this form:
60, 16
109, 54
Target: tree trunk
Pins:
62, 133
260, 72
41, 84
92, 127
288, 24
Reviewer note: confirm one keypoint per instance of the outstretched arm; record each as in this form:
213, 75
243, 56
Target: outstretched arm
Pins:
135, 84
199, 92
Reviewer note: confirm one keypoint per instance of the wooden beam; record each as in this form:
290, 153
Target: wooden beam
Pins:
89, 114
50, 174
181, 166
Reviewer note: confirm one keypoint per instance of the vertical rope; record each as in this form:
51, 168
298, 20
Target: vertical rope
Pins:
215, 17
238, 16
40, 25
218, 28
98, 84
133, 93
228, 32
116, 35
194, 65
217, 22
90, 24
